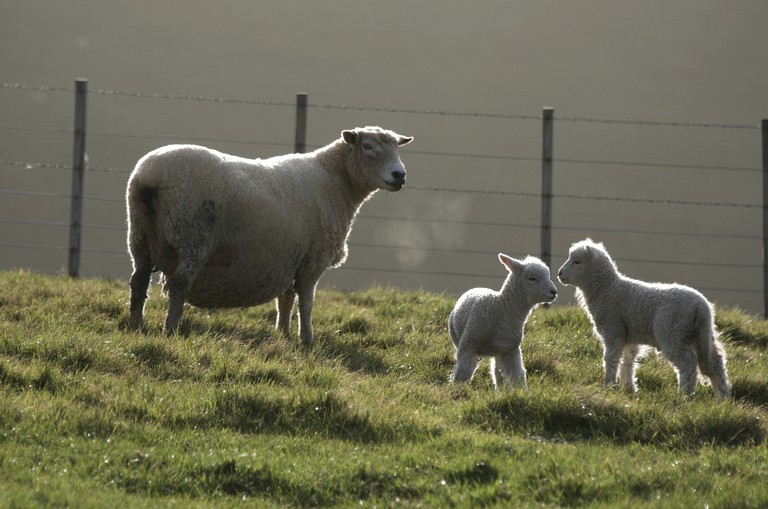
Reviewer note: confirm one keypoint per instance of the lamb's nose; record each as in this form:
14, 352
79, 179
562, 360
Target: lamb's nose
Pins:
560, 274
398, 174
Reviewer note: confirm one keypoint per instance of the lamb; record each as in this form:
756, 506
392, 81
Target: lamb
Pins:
626, 313
486, 322
226, 231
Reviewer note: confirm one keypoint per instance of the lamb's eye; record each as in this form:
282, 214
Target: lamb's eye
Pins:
532, 279
576, 262
367, 146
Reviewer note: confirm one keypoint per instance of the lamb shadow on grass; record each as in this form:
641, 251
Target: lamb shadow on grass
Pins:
750, 391
574, 419
352, 355
226, 478
323, 414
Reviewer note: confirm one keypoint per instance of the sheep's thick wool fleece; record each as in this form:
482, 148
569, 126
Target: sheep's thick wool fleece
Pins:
304, 209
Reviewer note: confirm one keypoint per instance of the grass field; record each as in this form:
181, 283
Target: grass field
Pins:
228, 414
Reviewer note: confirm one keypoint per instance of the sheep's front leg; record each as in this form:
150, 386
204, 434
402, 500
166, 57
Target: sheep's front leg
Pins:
497, 375
611, 356
285, 304
306, 293
627, 368
512, 369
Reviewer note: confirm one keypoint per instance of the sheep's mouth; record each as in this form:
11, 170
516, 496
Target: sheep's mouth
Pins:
393, 186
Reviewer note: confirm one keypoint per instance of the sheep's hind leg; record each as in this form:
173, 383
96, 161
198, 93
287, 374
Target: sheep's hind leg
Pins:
684, 360
466, 364
714, 368
178, 286
285, 303
193, 251
142, 274
139, 286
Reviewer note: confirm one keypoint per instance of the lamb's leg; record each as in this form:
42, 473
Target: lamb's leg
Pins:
285, 304
512, 369
466, 364
627, 367
714, 368
680, 354
611, 356
497, 376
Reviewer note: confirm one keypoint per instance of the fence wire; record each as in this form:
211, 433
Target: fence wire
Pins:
32, 165
413, 111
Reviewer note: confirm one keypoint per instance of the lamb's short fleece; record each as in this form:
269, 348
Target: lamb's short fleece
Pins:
627, 313
486, 322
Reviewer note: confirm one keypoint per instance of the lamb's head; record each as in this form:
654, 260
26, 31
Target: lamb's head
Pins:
531, 278
375, 160
585, 260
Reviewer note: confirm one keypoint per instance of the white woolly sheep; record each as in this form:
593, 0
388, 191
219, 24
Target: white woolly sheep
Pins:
226, 231
626, 313
486, 322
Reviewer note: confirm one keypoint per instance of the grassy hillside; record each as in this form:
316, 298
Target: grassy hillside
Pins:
228, 414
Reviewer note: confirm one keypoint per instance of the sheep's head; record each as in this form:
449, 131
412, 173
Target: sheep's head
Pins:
584, 257
532, 278
378, 162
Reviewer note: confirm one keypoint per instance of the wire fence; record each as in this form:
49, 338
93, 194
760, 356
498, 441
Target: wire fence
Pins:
698, 231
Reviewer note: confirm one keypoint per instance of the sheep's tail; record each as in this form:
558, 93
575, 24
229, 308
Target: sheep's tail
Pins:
142, 224
711, 352
455, 336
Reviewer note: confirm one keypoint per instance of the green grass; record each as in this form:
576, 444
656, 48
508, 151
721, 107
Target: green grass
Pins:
229, 414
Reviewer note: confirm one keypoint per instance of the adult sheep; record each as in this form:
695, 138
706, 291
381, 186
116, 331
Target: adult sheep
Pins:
627, 313
226, 231
487, 322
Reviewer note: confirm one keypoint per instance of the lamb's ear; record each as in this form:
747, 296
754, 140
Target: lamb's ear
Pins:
349, 137
514, 266
404, 140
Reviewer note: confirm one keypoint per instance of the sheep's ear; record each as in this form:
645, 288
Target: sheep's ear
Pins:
514, 266
349, 137
404, 140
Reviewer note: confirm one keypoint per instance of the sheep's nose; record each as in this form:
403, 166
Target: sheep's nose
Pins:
560, 274
398, 174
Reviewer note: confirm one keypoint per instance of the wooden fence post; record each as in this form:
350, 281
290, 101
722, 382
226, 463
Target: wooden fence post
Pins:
78, 177
301, 123
764, 132
546, 185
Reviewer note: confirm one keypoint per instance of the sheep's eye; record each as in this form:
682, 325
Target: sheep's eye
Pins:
367, 146
576, 262
531, 278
